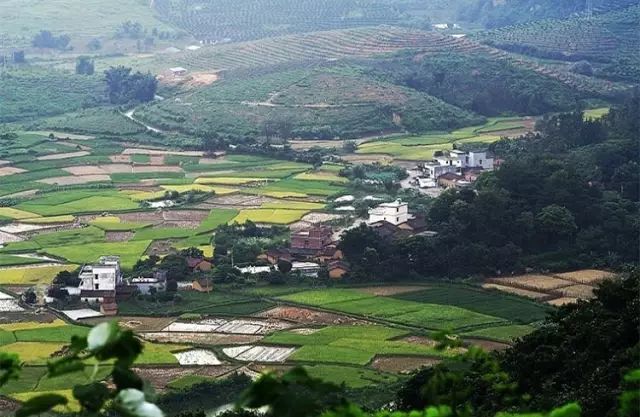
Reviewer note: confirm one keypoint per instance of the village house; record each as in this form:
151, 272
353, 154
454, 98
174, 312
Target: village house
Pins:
178, 71
199, 264
450, 180
310, 241
395, 213
309, 269
461, 159
337, 269
100, 280
311, 244
145, 284
202, 285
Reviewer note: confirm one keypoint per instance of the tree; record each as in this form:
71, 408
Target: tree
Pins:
94, 44
284, 266
192, 252
84, 65
176, 267
556, 223
172, 285
582, 351
67, 279
124, 87
46, 39
29, 296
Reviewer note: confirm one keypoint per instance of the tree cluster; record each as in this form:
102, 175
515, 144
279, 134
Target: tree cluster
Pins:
580, 353
564, 199
46, 39
126, 87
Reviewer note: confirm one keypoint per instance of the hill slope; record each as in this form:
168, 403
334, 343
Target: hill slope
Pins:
494, 14
239, 20
607, 38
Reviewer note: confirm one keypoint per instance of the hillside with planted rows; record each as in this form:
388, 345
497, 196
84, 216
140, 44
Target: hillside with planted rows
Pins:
238, 20
610, 38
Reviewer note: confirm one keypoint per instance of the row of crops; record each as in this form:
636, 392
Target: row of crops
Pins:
234, 20
325, 45
597, 38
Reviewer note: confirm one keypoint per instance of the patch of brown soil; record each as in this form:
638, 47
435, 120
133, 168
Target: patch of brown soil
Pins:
118, 169
159, 377
199, 79
74, 180
156, 160
118, 236
62, 155
278, 369
402, 364
419, 340
392, 290
120, 159
212, 339
562, 301
307, 316
160, 247
489, 345
587, 276
4, 171
368, 158
155, 217
146, 151
184, 215
8, 317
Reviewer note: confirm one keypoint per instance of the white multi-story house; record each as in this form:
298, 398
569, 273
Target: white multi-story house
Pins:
100, 280
435, 169
460, 159
395, 213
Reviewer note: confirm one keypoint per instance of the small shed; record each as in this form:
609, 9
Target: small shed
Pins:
178, 71
337, 269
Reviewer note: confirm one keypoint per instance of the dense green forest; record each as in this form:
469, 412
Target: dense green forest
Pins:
478, 83
563, 198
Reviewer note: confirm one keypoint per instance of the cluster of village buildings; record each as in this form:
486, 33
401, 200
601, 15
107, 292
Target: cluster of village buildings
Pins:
310, 249
454, 169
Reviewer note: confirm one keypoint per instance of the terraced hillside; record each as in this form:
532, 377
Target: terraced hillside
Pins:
238, 20
493, 14
322, 103
610, 38
317, 46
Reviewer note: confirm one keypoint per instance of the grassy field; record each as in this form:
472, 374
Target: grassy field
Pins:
32, 275
422, 147
356, 345
129, 252
81, 20
12, 260
195, 302
352, 377
596, 113
501, 333
511, 308
265, 215
427, 315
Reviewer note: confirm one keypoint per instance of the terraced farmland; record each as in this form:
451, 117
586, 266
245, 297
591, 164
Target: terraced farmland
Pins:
320, 103
317, 46
596, 38
139, 204
433, 316
241, 20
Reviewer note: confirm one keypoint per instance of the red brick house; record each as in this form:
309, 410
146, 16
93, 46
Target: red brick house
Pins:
312, 240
